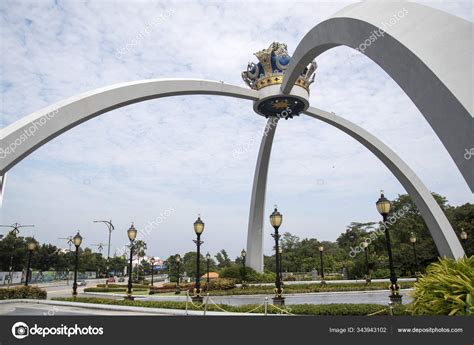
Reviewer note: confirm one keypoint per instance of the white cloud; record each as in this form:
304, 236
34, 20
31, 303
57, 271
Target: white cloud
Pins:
133, 163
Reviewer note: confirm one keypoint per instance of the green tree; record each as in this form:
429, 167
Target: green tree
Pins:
222, 259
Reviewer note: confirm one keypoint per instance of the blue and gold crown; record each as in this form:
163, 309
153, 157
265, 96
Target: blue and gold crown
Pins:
271, 67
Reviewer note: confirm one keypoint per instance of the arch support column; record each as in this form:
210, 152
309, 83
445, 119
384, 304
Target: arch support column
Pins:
255, 235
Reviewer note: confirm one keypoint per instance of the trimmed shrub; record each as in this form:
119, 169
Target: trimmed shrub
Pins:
251, 276
446, 289
31, 292
220, 284
123, 286
118, 290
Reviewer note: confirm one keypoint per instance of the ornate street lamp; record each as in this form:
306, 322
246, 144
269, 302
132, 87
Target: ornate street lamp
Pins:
31, 245
77, 240
243, 255
132, 235
365, 245
413, 243
276, 219
178, 263
383, 206
198, 229
208, 261
321, 249
152, 261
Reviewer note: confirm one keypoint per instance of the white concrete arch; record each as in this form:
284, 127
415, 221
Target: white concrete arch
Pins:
427, 52
441, 230
54, 120
71, 112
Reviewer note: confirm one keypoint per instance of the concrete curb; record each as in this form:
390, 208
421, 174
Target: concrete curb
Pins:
157, 311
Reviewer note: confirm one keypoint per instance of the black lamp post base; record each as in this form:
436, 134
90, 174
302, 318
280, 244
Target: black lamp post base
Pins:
396, 299
129, 298
278, 301
197, 298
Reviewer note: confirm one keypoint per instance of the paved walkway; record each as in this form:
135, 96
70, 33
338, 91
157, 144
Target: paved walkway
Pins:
22, 308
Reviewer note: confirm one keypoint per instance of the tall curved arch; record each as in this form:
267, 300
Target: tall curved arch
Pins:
427, 52
73, 111
441, 230
56, 119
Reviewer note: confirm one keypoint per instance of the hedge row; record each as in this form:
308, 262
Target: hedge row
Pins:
298, 309
123, 286
31, 292
102, 289
302, 288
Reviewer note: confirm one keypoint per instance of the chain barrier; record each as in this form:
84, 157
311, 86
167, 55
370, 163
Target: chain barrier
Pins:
212, 302
377, 312
286, 310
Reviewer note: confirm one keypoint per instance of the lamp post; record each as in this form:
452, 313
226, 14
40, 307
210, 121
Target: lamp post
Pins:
413, 243
178, 263
276, 219
243, 255
365, 245
463, 235
208, 260
111, 228
31, 245
198, 229
383, 206
152, 261
77, 240
132, 235
321, 249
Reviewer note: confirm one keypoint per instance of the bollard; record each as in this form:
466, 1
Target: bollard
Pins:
266, 305
205, 306
187, 297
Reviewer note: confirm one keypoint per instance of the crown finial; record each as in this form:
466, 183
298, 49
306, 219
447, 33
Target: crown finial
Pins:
267, 75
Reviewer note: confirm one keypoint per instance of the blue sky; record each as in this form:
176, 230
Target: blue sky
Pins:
134, 163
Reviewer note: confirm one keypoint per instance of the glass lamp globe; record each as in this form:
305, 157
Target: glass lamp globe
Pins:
31, 245
77, 239
383, 205
198, 226
276, 218
132, 233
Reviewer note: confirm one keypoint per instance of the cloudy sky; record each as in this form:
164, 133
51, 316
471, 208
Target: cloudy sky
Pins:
174, 156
